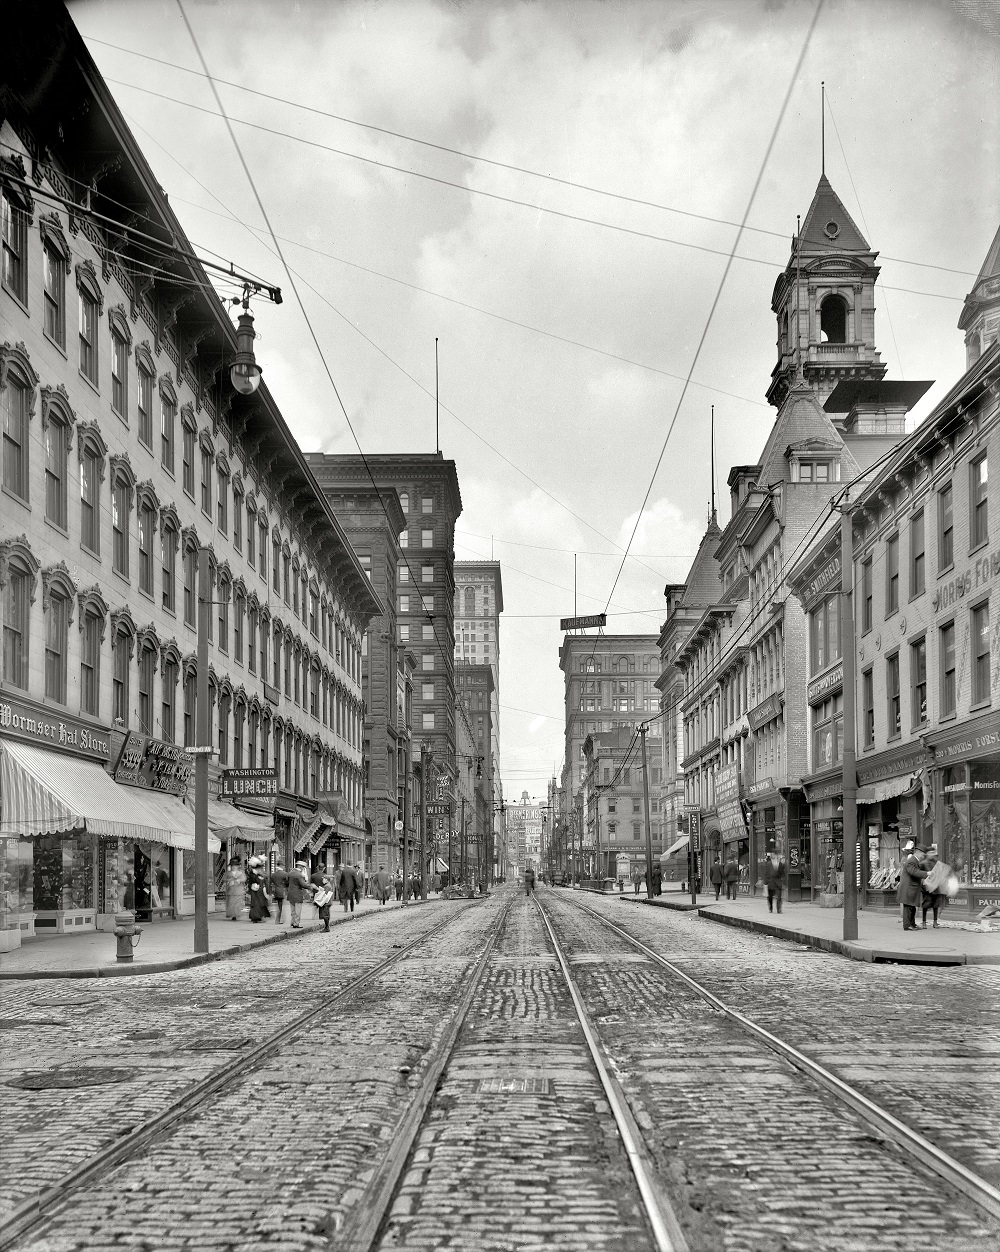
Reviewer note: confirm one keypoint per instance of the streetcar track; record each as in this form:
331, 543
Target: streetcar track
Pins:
935, 1159
25, 1216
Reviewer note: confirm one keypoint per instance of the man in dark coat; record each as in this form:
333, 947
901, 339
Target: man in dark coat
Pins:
910, 877
731, 877
279, 889
298, 890
716, 876
347, 886
774, 879
657, 879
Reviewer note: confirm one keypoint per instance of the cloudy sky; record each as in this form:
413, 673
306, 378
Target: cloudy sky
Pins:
552, 190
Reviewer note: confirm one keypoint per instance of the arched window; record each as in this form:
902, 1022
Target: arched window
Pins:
168, 422
93, 612
833, 320
253, 620
92, 453
17, 209
17, 391
222, 604
253, 735
169, 541
122, 488
189, 563
148, 648
470, 602
55, 267
190, 701
239, 731
265, 736
18, 579
57, 423
91, 303
225, 705
58, 593
170, 668
122, 643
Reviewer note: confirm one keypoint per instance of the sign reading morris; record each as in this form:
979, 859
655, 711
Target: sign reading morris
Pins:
151, 763
19, 719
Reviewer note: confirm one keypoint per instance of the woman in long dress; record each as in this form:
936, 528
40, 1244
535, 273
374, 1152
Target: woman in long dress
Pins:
236, 889
259, 904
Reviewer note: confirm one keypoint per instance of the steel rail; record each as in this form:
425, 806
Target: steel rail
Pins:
372, 1207
939, 1162
663, 1221
29, 1213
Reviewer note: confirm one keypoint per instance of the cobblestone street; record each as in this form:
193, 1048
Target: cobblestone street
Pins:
517, 1149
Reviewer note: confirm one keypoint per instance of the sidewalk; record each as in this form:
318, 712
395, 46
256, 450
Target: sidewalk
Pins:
162, 945
880, 934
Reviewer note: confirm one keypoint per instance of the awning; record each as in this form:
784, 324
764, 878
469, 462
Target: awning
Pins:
887, 788
440, 867
47, 793
313, 830
226, 821
676, 847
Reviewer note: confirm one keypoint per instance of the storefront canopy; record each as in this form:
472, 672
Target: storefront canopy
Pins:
887, 788
440, 867
675, 847
47, 793
227, 822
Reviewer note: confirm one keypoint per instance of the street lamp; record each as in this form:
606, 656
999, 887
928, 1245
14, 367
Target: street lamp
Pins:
245, 372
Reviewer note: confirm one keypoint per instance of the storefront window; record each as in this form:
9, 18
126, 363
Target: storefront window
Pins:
984, 822
830, 848
955, 826
63, 873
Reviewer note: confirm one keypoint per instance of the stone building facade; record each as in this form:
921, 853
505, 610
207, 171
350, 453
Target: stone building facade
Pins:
126, 452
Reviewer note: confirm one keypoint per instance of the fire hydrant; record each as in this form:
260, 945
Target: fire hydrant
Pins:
127, 933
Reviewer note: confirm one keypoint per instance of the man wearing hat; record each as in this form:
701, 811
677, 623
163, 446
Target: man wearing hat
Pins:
298, 890
911, 874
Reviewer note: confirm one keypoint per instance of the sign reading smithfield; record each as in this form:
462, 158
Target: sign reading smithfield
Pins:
20, 719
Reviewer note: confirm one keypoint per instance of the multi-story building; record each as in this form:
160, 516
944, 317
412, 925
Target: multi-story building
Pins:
524, 833
373, 521
427, 487
476, 691
927, 644
127, 453
614, 805
609, 685
478, 605
837, 416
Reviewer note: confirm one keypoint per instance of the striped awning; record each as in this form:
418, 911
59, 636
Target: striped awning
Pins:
47, 793
225, 821
888, 789
676, 847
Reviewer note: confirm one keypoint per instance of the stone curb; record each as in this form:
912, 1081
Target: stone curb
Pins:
125, 970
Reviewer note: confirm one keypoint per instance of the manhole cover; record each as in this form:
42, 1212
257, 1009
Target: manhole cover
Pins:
56, 1078
513, 1086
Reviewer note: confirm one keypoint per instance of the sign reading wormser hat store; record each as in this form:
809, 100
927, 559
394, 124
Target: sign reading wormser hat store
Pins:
241, 784
22, 719
151, 763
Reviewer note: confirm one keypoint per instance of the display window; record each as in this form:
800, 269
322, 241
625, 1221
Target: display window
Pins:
63, 872
830, 851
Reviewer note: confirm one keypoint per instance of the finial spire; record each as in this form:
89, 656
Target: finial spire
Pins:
822, 129
712, 516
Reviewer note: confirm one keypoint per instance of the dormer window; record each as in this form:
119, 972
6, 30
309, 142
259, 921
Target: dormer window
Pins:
816, 471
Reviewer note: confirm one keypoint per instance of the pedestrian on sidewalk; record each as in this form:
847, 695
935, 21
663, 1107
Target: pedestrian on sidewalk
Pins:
279, 889
636, 880
236, 889
716, 876
657, 880
774, 879
381, 883
731, 876
398, 886
911, 875
323, 897
298, 890
347, 886
933, 889
260, 906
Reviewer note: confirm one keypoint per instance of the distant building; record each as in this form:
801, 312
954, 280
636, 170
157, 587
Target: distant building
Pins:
524, 833
610, 686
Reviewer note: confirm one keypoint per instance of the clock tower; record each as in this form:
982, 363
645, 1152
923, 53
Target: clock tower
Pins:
825, 304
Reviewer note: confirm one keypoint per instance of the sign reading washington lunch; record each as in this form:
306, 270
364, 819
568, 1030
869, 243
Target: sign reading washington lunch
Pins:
238, 784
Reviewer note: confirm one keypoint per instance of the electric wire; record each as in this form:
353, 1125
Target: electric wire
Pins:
473, 156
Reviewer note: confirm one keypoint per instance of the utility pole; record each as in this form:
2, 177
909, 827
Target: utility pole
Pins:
645, 810
451, 843
424, 772
850, 799
204, 752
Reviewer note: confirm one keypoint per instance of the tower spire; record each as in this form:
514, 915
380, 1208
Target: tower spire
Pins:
712, 517
822, 129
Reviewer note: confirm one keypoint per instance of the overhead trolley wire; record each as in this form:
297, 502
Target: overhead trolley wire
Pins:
477, 157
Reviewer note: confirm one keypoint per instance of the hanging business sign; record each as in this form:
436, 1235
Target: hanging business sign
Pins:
583, 623
765, 712
153, 764
241, 784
